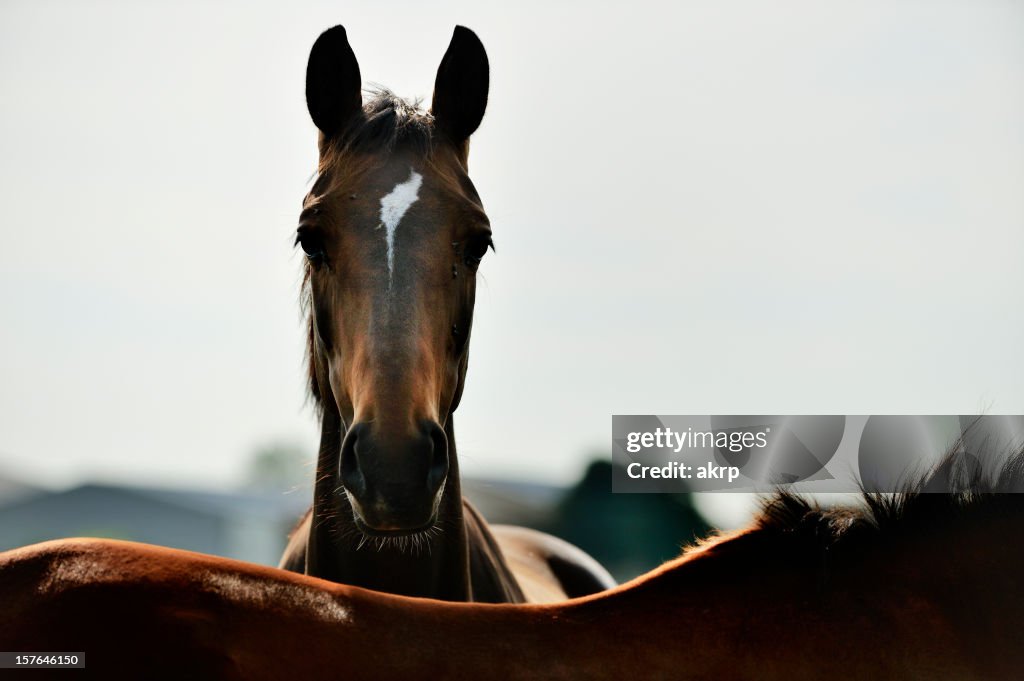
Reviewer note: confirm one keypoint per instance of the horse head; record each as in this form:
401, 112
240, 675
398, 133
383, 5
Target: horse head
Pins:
393, 231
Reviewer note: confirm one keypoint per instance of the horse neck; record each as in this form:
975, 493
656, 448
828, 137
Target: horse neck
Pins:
336, 550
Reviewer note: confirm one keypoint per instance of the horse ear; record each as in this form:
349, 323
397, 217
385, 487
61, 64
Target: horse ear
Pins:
460, 91
333, 84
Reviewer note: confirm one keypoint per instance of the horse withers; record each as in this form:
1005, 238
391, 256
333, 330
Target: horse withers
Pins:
393, 231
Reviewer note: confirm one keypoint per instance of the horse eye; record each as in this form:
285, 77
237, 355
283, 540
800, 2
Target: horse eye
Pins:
312, 246
476, 249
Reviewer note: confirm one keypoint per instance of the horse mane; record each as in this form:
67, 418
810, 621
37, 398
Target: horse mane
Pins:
953, 499
386, 124
953, 493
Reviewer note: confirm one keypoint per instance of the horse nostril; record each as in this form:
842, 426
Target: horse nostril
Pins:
351, 473
438, 470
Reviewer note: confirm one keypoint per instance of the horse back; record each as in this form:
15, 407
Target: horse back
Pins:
511, 564
491, 578
548, 568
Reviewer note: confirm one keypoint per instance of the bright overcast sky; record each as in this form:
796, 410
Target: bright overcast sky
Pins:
744, 207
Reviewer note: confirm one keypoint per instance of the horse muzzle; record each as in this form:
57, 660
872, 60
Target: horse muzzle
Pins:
394, 485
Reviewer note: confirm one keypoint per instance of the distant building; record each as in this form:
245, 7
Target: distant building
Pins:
512, 502
249, 527
628, 533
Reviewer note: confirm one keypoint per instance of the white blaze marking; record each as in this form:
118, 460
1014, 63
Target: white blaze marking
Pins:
393, 207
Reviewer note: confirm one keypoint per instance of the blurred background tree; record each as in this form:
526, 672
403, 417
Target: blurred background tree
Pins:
627, 533
279, 466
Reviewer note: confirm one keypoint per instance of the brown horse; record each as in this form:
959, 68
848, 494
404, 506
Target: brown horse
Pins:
393, 232
916, 586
